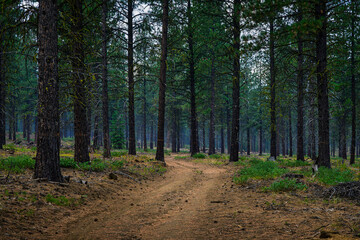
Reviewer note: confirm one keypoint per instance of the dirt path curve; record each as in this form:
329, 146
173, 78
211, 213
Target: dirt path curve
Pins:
177, 207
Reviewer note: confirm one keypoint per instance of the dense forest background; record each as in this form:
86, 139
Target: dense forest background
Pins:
276, 77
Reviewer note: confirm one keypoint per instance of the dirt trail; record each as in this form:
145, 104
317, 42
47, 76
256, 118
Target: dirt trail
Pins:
199, 201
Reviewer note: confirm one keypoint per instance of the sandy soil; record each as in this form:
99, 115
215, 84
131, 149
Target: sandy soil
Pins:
199, 201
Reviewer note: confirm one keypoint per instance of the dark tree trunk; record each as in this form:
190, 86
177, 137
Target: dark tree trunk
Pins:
132, 140
47, 163
290, 135
228, 130
248, 147
322, 85
24, 126
212, 109
204, 139
222, 140
104, 73
126, 127
79, 79
178, 135
28, 128
2, 98
300, 94
162, 83
194, 139
152, 135
144, 109
96, 133
273, 144
353, 86
234, 152
173, 132
342, 133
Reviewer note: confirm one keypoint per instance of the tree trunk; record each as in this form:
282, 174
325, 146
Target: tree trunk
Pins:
47, 163
162, 83
222, 140
322, 85
132, 140
290, 135
234, 152
248, 147
2, 98
96, 133
173, 132
104, 73
204, 139
194, 139
228, 130
79, 79
353, 86
342, 137
273, 129
300, 94
144, 108
152, 135
212, 109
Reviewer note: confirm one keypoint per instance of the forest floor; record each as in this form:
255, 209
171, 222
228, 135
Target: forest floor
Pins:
192, 200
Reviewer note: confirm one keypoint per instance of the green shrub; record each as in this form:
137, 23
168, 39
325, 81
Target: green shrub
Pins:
117, 165
332, 176
17, 164
293, 163
259, 170
96, 165
218, 156
285, 185
199, 155
10, 146
67, 162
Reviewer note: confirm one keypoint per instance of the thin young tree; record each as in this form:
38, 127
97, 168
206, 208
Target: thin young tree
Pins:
47, 163
162, 83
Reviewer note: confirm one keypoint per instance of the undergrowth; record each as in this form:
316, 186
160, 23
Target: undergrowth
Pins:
285, 185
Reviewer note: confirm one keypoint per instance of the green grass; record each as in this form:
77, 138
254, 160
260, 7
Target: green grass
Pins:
67, 162
259, 170
199, 155
219, 156
118, 153
61, 200
285, 185
181, 157
17, 164
292, 162
333, 176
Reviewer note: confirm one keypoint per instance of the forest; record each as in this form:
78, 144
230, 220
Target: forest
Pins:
255, 98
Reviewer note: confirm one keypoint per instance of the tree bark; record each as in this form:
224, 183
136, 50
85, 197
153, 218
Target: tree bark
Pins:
162, 83
273, 130
2, 98
234, 152
132, 139
353, 86
300, 94
47, 163
222, 140
79, 82
322, 85
194, 139
212, 109
144, 107
290, 135
104, 73
152, 135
